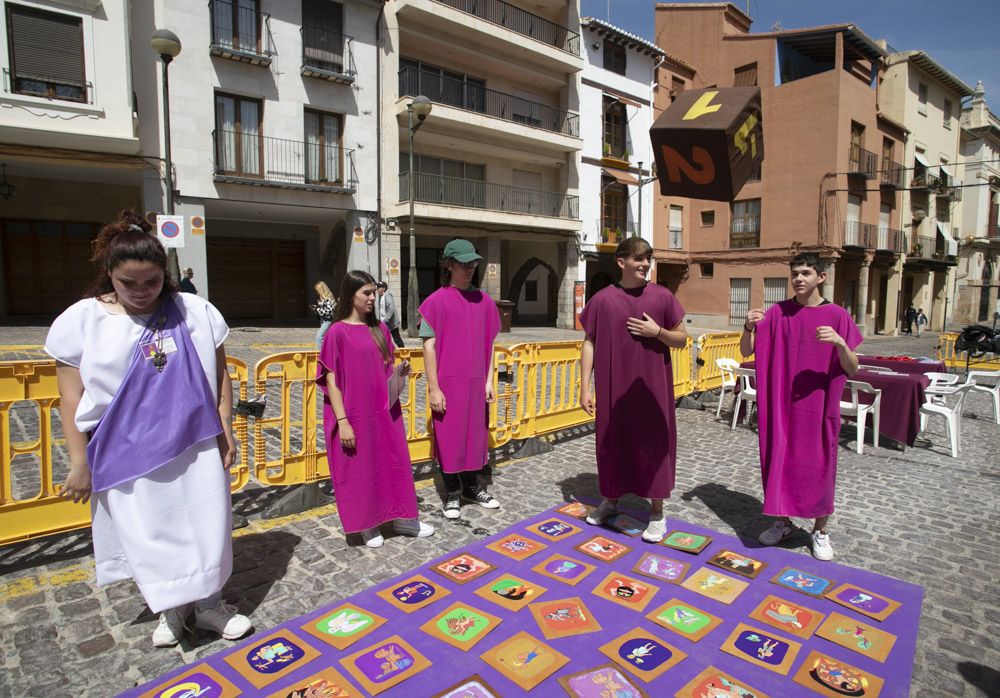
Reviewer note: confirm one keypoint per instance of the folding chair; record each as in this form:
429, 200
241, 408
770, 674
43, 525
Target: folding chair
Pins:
860, 411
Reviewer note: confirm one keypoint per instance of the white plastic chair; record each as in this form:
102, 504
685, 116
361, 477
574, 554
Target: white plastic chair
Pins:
726, 366
860, 411
980, 380
939, 379
952, 415
748, 393
875, 369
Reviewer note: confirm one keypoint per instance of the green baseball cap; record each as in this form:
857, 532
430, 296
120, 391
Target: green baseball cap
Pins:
461, 251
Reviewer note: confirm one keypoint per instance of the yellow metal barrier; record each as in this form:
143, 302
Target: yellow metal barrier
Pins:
957, 359
708, 348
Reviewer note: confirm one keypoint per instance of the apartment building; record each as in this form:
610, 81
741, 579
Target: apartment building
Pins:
977, 294
69, 146
925, 96
497, 159
829, 182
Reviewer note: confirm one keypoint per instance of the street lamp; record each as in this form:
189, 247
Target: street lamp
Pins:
167, 45
420, 107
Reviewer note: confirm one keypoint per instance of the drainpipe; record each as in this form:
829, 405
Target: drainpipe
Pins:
378, 132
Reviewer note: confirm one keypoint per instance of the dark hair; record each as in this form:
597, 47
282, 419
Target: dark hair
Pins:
446, 272
128, 239
353, 281
630, 247
382, 284
808, 259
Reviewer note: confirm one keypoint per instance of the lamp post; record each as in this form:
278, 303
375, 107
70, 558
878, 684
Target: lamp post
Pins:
420, 107
167, 45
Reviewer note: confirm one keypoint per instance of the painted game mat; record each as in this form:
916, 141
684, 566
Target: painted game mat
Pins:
543, 608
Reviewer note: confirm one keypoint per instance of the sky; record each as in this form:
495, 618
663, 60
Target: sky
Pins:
960, 35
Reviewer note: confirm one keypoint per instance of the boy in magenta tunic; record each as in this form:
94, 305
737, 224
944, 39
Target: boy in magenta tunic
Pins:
804, 350
459, 325
630, 328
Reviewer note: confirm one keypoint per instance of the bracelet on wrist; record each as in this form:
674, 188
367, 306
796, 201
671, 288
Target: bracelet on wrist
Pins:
659, 333
341, 419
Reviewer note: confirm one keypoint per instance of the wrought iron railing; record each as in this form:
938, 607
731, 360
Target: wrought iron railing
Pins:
329, 53
928, 247
923, 179
521, 22
611, 232
241, 32
863, 162
744, 231
473, 97
468, 193
255, 159
48, 87
949, 188
855, 235
891, 174
890, 240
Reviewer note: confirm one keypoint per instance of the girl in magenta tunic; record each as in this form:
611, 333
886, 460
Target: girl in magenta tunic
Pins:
365, 438
459, 325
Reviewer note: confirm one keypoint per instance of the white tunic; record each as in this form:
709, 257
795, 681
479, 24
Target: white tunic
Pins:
169, 530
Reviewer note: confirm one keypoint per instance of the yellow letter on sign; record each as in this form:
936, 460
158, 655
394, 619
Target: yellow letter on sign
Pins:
740, 137
701, 172
703, 106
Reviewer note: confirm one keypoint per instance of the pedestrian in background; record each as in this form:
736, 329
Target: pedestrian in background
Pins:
460, 324
324, 309
909, 316
365, 436
630, 328
145, 405
921, 320
387, 312
185, 284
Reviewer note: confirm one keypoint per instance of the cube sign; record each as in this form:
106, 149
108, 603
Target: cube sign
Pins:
708, 142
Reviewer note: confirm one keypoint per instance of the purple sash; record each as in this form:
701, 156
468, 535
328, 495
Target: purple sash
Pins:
155, 416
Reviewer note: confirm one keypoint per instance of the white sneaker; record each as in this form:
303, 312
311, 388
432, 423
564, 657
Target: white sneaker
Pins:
170, 629
822, 550
779, 531
372, 537
655, 530
605, 510
453, 505
224, 620
412, 527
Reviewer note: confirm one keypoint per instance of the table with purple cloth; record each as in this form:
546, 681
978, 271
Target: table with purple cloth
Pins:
904, 366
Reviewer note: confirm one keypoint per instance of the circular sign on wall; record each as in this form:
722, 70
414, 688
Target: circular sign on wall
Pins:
170, 229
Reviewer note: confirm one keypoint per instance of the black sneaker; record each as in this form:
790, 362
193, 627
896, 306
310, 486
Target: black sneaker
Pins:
481, 497
452, 505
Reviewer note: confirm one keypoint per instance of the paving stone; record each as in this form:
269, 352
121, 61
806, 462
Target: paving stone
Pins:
27, 601
71, 592
96, 646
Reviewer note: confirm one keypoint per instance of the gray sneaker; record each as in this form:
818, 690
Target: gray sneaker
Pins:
655, 530
223, 620
170, 629
779, 531
605, 510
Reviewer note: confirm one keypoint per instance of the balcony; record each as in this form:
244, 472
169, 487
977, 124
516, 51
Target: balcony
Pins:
520, 22
744, 232
949, 189
475, 98
856, 235
241, 33
327, 55
992, 231
891, 175
928, 247
242, 158
923, 181
611, 233
467, 193
862, 162
890, 240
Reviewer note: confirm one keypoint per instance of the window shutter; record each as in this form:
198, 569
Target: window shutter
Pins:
46, 46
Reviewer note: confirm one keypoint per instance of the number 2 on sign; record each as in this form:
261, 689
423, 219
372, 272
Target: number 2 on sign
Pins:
700, 171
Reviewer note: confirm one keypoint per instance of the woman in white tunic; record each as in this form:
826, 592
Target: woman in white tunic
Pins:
146, 403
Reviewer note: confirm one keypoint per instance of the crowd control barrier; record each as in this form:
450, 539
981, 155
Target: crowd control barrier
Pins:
958, 359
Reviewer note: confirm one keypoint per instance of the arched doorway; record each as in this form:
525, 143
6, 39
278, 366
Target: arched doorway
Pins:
535, 290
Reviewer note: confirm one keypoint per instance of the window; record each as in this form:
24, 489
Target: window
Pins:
739, 300
707, 270
745, 76
238, 136
775, 291
708, 218
614, 57
922, 99
531, 290
446, 87
947, 114
676, 241
323, 35
677, 85
322, 133
614, 129
613, 212
236, 24
440, 180
46, 54
745, 228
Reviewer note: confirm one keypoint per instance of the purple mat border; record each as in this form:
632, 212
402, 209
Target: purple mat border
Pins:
451, 665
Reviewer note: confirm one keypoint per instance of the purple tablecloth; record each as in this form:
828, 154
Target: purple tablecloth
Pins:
902, 396
904, 366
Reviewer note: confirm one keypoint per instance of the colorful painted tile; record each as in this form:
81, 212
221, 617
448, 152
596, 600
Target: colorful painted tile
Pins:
578, 510
510, 592
554, 529
713, 683
626, 591
328, 683
525, 660
603, 549
863, 601
715, 585
831, 677
859, 637
764, 649
685, 619
623, 523
413, 594
803, 582
344, 625
463, 568
788, 616
687, 542
473, 687
461, 625
563, 618
565, 569
201, 680
385, 664
516, 546
661, 567
266, 659
642, 653
737, 563
605, 681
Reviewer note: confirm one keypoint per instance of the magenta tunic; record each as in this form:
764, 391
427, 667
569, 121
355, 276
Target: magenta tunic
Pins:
373, 483
634, 389
799, 385
465, 324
